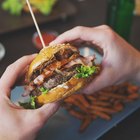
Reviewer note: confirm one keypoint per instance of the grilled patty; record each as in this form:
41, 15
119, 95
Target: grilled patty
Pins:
59, 77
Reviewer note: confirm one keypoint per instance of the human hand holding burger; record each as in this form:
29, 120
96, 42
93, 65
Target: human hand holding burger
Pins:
120, 63
59, 70
120, 59
18, 123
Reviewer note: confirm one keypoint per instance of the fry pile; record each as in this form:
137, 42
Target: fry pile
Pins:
102, 104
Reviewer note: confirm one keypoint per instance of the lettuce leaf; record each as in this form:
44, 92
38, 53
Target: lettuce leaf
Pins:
29, 104
13, 6
43, 90
86, 71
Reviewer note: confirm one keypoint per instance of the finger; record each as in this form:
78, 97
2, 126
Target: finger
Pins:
106, 78
70, 35
96, 35
13, 71
21, 79
42, 114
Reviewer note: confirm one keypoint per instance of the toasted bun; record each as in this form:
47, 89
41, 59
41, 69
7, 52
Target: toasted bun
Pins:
45, 55
62, 91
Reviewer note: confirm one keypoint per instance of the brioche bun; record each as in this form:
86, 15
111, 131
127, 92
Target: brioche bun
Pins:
47, 54
66, 88
61, 92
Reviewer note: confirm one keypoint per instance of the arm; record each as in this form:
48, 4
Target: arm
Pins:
17, 123
121, 61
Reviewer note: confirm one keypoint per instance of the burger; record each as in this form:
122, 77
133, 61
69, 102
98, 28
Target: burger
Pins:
57, 72
16, 7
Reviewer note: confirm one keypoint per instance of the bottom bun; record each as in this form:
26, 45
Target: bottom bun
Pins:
62, 91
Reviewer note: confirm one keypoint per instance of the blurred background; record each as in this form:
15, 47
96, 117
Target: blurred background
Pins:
17, 30
18, 35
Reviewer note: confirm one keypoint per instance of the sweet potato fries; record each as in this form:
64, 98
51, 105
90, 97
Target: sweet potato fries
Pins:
102, 104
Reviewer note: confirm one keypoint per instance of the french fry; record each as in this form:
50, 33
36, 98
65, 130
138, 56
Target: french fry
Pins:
91, 98
111, 95
102, 115
103, 98
77, 114
132, 89
118, 106
85, 123
102, 104
102, 109
133, 96
82, 100
78, 104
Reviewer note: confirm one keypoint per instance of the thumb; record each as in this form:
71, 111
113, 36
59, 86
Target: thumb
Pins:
42, 114
106, 78
47, 110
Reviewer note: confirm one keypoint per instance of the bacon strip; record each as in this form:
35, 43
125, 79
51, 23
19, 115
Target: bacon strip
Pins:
49, 70
88, 61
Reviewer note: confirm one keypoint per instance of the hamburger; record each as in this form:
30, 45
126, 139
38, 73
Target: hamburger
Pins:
57, 72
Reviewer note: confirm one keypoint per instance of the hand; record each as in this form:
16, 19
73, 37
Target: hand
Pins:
17, 123
121, 62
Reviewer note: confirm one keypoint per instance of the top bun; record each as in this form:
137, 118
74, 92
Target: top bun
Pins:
45, 55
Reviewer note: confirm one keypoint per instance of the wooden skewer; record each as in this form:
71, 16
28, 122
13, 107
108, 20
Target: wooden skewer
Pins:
35, 22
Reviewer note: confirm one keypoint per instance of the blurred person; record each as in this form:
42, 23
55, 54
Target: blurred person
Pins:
17, 123
121, 61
